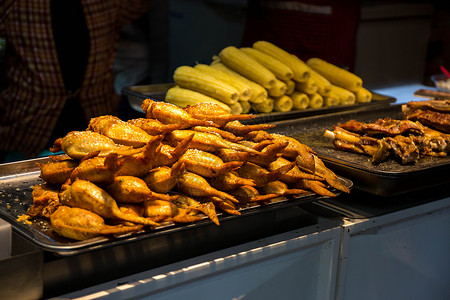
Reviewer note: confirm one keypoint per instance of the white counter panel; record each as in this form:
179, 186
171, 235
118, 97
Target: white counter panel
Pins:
402, 255
297, 264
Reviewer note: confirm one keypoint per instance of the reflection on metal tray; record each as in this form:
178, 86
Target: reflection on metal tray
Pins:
137, 94
17, 180
386, 179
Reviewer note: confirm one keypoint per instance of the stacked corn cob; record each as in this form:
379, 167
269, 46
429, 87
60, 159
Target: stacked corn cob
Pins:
265, 78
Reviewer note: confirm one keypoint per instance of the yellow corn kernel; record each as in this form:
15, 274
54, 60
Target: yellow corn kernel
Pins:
246, 106
263, 107
300, 69
363, 95
330, 99
336, 75
190, 78
290, 86
183, 97
315, 101
244, 89
345, 96
259, 93
277, 67
300, 100
240, 62
282, 104
323, 85
278, 90
309, 86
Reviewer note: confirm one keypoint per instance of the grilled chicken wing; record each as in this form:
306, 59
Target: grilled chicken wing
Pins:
99, 169
195, 185
78, 144
153, 126
81, 224
171, 114
206, 164
207, 141
57, 172
85, 194
119, 131
163, 179
131, 189
208, 111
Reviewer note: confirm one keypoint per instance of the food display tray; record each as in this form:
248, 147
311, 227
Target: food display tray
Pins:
17, 180
137, 94
388, 178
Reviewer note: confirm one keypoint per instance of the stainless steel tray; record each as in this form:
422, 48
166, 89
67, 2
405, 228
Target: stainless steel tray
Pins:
17, 180
385, 179
137, 94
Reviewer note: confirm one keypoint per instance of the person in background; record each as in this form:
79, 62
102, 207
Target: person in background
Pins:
58, 70
143, 54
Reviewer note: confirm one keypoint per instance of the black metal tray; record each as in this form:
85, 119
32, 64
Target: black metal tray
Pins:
137, 94
17, 180
388, 178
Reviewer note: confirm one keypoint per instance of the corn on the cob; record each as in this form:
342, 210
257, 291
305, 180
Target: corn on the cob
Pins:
315, 101
236, 108
263, 107
183, 97
244, 89
240, 62
363, 95
246, 106
282, 104
323, 85
300, 69
277, 67
330, 99
345, 96
190, 78
300, 100
278, 90
335, 74
259, 93
309, 86
290, 86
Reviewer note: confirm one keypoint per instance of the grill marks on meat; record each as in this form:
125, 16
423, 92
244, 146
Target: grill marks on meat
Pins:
405, 140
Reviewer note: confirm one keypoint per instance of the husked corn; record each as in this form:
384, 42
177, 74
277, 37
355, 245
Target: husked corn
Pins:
323, 85
345, 96
315, 101
236, 108
240, 62
190, 78
278, 90
330, 99
244, 89
363, 95
282, 104
290, 86
300, 100
336, 75
263, 107
183, 97
309, 86
259, 93
246, 106
299, 68
277, 67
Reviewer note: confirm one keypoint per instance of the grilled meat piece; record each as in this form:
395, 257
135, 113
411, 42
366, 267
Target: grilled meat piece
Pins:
433, 119
385, 127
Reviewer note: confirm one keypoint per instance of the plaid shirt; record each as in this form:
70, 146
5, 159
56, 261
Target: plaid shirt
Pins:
34, 94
